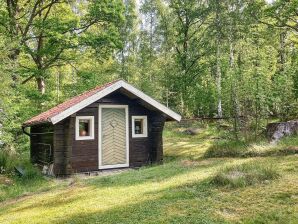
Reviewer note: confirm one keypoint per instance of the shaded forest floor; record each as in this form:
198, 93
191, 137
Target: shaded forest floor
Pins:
182, 190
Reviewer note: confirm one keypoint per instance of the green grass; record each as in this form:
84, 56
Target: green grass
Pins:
227, 149
233, 148
182, 190
245, 174
12, 185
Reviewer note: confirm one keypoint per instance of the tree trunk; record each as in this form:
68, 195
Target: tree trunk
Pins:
13, 11
41, 86
123, 73
184, 66
58, 87
234, 97
282, 52
218, 80
182, 103
218, 62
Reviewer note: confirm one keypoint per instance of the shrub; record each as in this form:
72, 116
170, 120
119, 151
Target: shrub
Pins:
31, 172
3, 161
6, 161
245, 175
287, 146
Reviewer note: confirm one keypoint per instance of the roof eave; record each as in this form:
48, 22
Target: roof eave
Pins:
30, 124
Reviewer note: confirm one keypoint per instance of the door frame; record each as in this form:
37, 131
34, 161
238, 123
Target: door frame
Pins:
100, 107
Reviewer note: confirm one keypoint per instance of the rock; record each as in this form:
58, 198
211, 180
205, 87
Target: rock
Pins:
275, 131
192, 131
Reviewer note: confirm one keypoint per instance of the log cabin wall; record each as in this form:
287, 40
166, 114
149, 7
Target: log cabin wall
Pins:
63, 145
157, 125
71, 155
41, 144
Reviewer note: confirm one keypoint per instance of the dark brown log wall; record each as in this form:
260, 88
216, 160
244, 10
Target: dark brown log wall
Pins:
83, 154
157, 125
63, 145
41, 144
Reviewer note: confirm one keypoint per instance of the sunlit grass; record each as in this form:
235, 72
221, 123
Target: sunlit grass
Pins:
179, 145
179, 191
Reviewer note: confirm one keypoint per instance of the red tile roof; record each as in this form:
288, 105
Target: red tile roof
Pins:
47, 115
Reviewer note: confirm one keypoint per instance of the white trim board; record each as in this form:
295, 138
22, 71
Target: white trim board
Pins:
117, 85
125, 107
151, 101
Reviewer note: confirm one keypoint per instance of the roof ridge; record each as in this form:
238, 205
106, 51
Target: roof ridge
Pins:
98, 87
90, 90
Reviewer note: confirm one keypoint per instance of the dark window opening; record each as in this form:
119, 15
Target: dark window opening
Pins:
139, 126
84, 127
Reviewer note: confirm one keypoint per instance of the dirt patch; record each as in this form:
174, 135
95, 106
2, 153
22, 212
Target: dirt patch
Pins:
233, 175
5, 180
189, 163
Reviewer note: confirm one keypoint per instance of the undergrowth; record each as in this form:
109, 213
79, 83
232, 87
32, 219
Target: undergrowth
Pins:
244, 175
225, 148
13, 184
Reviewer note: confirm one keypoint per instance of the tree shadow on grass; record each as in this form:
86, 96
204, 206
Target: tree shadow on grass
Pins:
156, 173
65, 197
188, 203
171, 203
194, 201
163, 195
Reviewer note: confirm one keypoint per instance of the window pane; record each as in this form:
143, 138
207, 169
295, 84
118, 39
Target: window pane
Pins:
84, 127
139, 126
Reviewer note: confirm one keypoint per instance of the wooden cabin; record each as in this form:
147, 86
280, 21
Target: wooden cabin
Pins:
110, 126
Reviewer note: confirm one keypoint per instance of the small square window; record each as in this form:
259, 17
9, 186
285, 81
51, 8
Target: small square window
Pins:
139, 126
84, 127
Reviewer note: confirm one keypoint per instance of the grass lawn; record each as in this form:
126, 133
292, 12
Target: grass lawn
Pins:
179, 191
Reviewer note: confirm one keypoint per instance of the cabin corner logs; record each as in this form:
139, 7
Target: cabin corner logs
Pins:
69, 155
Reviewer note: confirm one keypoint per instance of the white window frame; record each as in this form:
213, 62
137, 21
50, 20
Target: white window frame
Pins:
145, 131
91, 136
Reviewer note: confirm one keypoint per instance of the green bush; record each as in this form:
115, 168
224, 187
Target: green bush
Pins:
6, 161
3, 162
31, 172
245, 175
9, 160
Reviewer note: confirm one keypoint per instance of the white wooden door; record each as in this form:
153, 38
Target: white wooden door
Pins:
114, 137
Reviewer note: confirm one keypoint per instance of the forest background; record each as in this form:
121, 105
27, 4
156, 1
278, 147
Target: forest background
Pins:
231, 59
